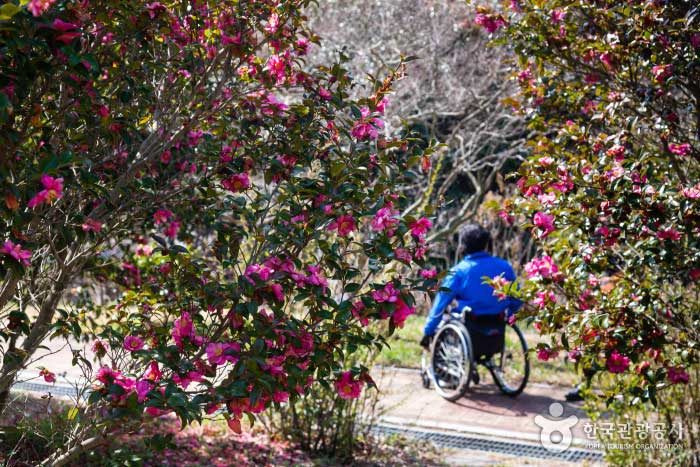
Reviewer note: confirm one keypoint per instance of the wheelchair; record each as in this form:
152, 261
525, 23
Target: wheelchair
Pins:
451, 363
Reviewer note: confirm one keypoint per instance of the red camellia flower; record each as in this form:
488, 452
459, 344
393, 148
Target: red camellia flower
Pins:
546, 353
49, 377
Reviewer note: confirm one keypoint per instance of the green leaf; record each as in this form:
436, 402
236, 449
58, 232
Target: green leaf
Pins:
8, 10
72, 413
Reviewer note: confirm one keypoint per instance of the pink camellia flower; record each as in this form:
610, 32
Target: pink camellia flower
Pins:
367, 127
15, 251
37, 7
324, 93
143, 387
387, 294
99, 347
661, 72
348, 388
545, 354
133, 343
153, 373
182, 328
300, 219
575, 354
545, 222
544, 297
557, 16
401, 313
91, 225
48, 376
420, 227
489, 22
280, 396
381, 105
66, 30
617, 152
617, 363
263, 272
106, 375
219, 353
315, 277
161, 216
428, 273
692, 192
385, 219
679, 149
272, 23
172, 229
499, 284
53, 190
343, 224
403, 254
277, 291
678, 375
277, 68
272, 106
302, 46
506, 216
608, 60
237, 182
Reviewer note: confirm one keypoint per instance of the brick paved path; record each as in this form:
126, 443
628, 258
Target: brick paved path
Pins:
483, 410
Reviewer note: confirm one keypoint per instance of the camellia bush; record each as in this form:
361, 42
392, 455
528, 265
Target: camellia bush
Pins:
238, 206
611, 187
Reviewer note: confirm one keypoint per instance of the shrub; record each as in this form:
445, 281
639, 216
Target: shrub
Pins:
324, 423
611, 185
179, 153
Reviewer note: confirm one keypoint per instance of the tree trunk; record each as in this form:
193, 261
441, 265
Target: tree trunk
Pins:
15, 360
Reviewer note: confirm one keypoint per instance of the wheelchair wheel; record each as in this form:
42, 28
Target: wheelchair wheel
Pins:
451, 360
424, 369
510, 368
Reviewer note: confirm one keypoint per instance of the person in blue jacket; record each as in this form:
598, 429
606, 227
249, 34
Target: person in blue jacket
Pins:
465, 284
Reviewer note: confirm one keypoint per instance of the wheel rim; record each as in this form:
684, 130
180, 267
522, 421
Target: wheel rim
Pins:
510, 367
450, 362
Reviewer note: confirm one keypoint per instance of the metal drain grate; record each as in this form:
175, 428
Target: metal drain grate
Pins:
55, 389
481, 444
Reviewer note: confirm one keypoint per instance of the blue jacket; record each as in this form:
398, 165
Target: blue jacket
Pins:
466, 285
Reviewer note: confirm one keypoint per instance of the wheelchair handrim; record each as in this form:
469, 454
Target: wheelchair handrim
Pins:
450, 362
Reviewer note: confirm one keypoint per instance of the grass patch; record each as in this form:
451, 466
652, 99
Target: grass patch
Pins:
405, 352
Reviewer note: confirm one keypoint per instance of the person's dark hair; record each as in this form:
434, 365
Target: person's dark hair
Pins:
474, 238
